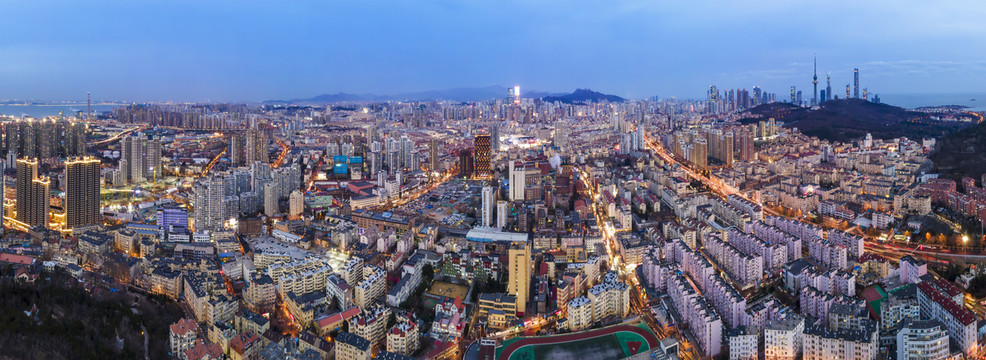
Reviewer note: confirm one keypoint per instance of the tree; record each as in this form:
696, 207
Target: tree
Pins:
428, 271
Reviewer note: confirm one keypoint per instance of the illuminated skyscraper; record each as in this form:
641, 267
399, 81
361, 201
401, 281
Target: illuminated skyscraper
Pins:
847, 91
433, 155
794, 93
32, 194
484, 166
855, 83
81, 192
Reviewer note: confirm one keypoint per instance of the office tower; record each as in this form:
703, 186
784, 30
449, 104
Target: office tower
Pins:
88, 107
814, 83
236, 150
828, 87
501, 215
519, 276
487, 206
82, 192
756, 96
855, 83
823, 96
466, 162
518, 181
847, 91
800, 99
793, 94
484, 166
864, 94
516, 95
169, 216
433, 155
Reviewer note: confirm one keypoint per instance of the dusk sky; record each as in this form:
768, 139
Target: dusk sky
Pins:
251, 51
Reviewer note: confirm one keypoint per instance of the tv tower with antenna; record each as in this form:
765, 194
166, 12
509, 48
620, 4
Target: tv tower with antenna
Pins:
814, 82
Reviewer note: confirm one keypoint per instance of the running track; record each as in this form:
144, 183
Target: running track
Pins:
651, 339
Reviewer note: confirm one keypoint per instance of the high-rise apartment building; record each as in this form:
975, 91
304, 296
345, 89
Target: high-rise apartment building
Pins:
519, 275
82, 192
257, 146
501, 214
433, 155
32, 194
518, 181
487, 206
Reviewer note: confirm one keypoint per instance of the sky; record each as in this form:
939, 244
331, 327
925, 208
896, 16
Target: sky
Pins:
259, 50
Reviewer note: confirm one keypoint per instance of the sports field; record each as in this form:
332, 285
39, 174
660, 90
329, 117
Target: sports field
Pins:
449, 290
612, 342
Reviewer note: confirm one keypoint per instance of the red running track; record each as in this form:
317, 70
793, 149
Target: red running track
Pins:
651, 339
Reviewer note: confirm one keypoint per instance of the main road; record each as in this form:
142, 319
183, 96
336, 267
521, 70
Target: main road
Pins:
871, 245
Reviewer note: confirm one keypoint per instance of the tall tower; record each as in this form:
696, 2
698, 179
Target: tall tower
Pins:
828, 87
88, 107
855, 83
814, 83
81, 192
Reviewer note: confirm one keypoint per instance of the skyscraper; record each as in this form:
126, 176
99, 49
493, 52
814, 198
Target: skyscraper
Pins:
236, 150
487, 206
519, 275
466, 162
855, 83
794, 93
257, 147
32, 194
134, 151
81, 192
814, 83
828, 87
484, 166
847, 91
433, 155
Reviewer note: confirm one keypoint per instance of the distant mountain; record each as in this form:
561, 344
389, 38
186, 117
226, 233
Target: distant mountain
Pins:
455, 94
583, 96
962, 153
850, 119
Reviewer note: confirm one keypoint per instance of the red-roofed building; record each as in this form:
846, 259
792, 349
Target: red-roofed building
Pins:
201, 351
244, 346
183, 335
961, 323
17, 259
334, 321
